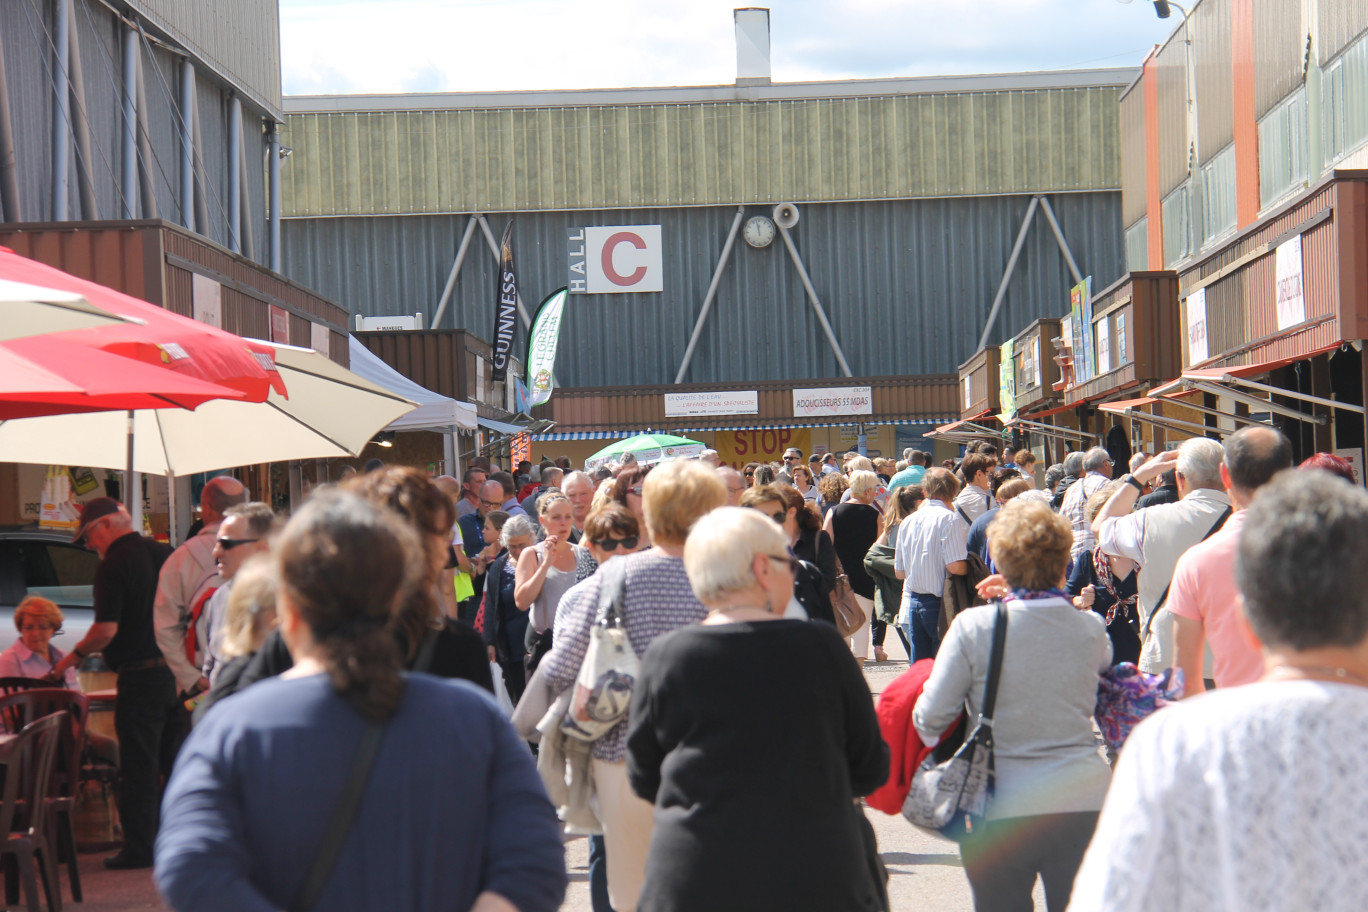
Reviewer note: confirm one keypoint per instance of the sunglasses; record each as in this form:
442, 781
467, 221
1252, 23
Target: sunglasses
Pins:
750, 474
611, 544
228, 544
792, 458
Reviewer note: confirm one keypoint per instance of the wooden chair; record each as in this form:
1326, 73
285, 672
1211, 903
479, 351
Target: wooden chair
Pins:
23, 817
12, 685
24, 707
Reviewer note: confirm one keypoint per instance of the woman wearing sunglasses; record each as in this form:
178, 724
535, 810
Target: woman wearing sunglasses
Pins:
627, 492
811, 586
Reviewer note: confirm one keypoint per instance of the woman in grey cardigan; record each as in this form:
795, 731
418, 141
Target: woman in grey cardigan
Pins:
1051, 780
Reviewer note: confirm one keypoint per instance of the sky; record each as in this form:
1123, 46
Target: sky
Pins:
333, 47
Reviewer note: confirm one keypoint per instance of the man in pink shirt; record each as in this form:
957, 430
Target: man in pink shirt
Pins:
1203, 597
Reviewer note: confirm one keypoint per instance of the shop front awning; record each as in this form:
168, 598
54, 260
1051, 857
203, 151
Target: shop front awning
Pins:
434, 411
1047, 430
1133, 409
1233, 383
501, 427
778, 424
964, 430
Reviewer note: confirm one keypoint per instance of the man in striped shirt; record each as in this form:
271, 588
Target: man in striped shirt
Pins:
931, 543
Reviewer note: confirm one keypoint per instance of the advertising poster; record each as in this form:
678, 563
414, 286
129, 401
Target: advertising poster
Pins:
541, 347
1007, 382
505, 308
1080, 361
736, 448
1196, 327
1291, 303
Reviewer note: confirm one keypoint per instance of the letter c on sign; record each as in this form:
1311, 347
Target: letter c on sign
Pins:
622, 237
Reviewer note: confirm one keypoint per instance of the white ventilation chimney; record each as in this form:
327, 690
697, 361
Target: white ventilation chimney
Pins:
752, 46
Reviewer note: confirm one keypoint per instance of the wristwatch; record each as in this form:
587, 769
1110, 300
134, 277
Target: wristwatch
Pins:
1133, 482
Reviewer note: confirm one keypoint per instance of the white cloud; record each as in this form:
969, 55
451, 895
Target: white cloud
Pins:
378, 46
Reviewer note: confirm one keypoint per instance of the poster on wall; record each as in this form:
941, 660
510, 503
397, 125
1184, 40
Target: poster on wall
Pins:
835, 400
1291, 303
1007, 382
1120, 353
687, 405
736, 448
1104, 364
1196, 327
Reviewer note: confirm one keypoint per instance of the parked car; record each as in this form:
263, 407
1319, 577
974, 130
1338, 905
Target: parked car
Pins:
35, 561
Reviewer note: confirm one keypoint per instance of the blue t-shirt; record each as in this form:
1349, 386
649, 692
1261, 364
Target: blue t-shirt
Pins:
908, 476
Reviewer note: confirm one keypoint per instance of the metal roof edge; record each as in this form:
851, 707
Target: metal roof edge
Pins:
1100, 77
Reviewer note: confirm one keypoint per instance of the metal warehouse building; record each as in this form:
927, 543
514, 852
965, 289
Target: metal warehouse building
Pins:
915, 198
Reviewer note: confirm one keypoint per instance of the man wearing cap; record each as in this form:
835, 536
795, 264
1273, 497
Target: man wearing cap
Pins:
188, 579
148, 719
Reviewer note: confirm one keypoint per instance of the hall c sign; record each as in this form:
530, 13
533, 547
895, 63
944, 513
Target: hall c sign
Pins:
615, 260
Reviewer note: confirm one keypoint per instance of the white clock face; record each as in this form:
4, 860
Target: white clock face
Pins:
759, 231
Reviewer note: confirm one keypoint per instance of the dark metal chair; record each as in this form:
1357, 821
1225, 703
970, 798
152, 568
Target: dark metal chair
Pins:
22, 708
23, 815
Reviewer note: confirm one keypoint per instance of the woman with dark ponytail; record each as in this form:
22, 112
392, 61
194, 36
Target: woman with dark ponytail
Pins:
257, 787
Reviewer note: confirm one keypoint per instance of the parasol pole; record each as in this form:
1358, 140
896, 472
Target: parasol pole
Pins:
129, 497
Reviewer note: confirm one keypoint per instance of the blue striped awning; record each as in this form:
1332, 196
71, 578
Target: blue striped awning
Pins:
768, 426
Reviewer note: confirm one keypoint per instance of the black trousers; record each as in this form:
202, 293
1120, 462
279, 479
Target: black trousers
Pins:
1004, 857
150, 723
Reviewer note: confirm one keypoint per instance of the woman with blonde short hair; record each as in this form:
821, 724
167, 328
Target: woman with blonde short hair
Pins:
1051, 779
712, 743
853, 528
656, 598
38, 620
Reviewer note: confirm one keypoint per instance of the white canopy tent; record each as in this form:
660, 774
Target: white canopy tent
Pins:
435, 412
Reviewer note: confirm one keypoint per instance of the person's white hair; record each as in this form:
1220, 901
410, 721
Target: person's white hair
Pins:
1199, 462
1033, 494
859, 464
862, 482
1138, 460
1095, 459
721, 547
515, 527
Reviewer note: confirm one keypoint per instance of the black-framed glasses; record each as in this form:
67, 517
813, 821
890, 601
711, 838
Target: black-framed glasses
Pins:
611, 544
228, 544
786, 559
492, 503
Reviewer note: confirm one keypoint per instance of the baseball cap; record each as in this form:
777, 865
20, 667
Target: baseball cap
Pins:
95, 509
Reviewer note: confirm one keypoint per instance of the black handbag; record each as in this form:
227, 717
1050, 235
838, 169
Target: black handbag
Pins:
951, 797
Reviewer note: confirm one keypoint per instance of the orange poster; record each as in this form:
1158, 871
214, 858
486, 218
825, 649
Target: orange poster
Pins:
736, 448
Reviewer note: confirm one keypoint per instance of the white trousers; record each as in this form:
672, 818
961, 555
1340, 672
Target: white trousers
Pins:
627, 824
859, 640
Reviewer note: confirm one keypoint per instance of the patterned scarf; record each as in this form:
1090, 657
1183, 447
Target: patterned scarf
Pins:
1103, 571
1036, 595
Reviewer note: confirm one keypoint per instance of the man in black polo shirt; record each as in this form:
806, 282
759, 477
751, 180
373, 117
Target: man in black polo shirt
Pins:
148, 720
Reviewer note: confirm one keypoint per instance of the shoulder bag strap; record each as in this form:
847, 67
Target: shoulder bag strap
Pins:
995, 663
612, 593
342, 819
1149, 622
964, 516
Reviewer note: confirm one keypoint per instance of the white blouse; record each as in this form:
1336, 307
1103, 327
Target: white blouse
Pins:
1242, 799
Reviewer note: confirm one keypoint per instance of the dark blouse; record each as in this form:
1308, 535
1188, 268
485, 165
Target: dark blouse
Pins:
856, 526
754, 784
1124, 629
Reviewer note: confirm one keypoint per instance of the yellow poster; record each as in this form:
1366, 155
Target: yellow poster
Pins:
736, 448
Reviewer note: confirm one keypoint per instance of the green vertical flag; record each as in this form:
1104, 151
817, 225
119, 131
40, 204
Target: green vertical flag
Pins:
541, 347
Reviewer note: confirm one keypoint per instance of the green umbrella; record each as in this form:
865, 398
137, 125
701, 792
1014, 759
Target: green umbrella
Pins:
647, 448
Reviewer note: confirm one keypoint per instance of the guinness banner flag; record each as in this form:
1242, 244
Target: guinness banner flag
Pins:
505, 307
541, 347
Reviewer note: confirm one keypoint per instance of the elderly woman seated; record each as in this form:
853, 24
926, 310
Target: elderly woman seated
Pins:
712, 742
38, 620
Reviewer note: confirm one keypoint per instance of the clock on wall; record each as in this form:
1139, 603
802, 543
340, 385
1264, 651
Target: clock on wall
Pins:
758, 231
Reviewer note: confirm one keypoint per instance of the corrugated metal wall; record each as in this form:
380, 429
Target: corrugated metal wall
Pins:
1173, 143
1341, 21
1133, 185
907, 283
1211, 53
1279, 49
596, 157
240, 37
26, 31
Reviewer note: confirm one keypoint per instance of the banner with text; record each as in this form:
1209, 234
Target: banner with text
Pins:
835, 400
736, 448
1196, 327
1288, 265
687, 405
541, 347
505, 308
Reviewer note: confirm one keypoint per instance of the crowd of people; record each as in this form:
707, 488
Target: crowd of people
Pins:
350, 658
